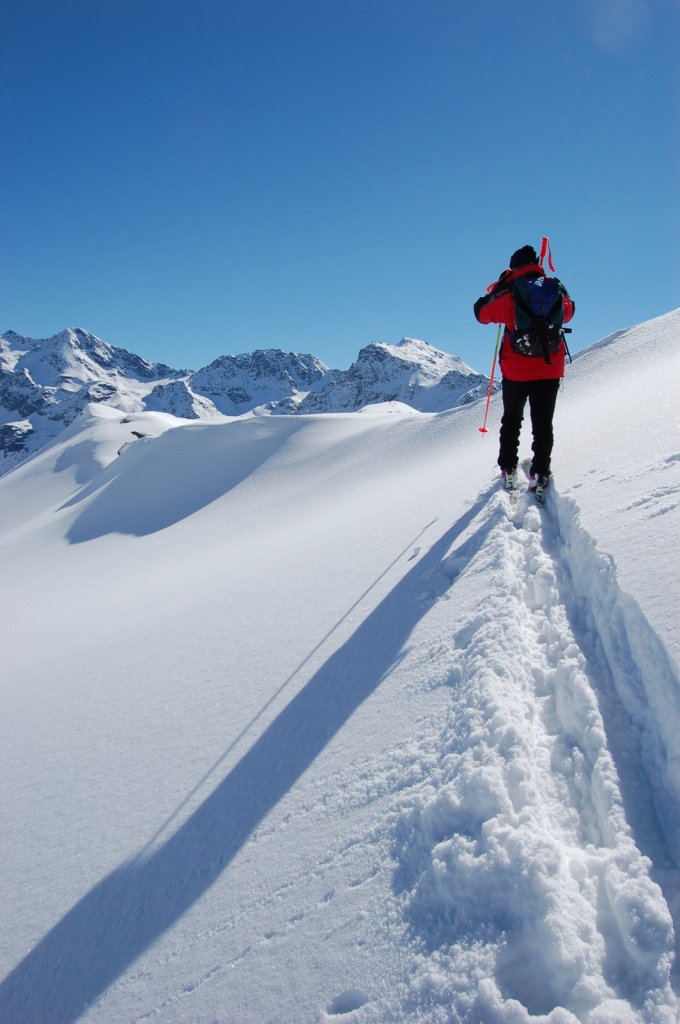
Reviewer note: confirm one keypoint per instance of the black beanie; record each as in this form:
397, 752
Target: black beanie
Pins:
522, 257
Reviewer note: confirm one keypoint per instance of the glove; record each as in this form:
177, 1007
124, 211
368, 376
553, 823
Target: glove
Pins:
480, 303
501, 279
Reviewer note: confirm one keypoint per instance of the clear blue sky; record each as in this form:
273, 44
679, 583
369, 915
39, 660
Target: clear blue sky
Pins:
190, 178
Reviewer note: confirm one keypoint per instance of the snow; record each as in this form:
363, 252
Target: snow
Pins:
46, 383
303, 719
412, 373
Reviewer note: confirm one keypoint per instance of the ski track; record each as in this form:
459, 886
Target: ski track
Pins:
522, 840
523, 853
528, 863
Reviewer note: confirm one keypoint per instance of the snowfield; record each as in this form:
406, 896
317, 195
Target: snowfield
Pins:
304, 720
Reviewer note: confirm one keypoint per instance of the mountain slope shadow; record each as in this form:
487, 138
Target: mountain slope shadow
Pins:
125, 913
159, 481
82, 458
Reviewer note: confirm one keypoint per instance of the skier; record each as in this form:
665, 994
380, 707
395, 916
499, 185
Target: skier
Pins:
534, 377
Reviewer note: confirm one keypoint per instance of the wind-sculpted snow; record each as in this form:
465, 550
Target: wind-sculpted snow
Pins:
633, 666
303, 719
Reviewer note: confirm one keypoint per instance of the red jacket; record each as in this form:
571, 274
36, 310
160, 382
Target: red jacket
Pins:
499, 308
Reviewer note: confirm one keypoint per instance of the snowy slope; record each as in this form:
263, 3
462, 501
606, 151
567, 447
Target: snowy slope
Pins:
304, 720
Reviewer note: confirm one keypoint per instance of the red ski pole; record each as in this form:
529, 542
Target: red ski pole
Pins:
483, 429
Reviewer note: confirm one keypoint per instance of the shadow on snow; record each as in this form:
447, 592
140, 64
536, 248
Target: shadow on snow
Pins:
130, 909
158, 481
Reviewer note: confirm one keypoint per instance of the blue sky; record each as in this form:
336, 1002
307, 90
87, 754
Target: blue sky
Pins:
188, 179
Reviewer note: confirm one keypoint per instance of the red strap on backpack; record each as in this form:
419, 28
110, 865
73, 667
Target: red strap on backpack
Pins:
546, 250
490, 288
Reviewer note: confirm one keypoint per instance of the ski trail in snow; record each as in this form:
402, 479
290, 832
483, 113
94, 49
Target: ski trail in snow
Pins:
638, 684
519, 872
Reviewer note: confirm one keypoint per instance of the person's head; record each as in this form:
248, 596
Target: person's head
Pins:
523, 257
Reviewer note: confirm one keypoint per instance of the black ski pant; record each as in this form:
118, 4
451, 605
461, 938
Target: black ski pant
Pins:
542, 395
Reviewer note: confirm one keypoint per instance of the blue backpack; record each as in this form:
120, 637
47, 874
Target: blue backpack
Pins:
539, 316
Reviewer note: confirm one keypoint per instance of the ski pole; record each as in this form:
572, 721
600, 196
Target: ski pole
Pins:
483, 429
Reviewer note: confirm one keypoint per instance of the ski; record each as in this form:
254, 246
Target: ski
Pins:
511, 486
509, 483
539, 488
539, 493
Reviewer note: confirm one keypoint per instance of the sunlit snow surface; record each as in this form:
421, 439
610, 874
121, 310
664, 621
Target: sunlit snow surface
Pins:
303, 719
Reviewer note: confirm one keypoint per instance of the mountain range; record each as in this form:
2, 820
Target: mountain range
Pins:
46, 383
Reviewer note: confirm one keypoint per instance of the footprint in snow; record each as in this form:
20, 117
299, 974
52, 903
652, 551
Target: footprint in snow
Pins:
348, 1001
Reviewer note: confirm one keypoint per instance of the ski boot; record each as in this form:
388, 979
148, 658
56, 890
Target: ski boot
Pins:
509, 478
538, 485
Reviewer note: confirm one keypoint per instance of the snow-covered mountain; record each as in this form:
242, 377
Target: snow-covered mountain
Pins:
238, 384
45, 384
177, 398
305, 719
412, 372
